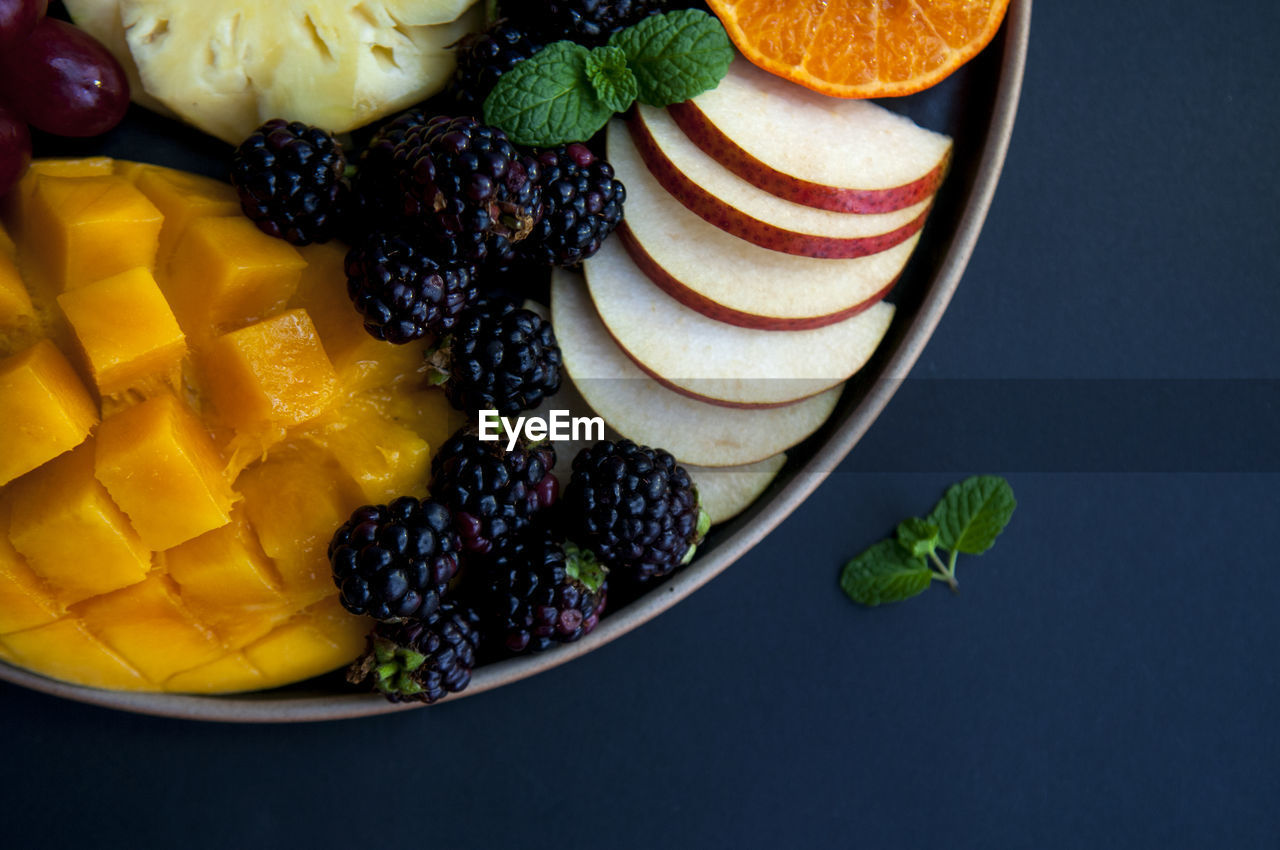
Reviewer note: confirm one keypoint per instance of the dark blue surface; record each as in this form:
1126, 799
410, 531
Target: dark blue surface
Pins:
1107, 675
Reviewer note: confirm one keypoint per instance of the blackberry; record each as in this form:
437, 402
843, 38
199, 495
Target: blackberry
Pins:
635, 508
581, 204
421, 660
375, 187
393, 562
585, 21
469, 186
501, 358
494, 493
402, 292
540, 592
291, 183
485, 56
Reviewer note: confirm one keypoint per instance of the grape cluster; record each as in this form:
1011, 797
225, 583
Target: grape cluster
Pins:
53, 77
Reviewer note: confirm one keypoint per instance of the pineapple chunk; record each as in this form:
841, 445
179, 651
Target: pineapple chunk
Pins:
162, 469
123, 355
227, 67
44, 408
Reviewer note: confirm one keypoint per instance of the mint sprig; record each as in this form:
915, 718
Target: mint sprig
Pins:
968, 519
567, 93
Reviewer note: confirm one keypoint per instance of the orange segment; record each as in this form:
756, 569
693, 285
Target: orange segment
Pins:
861, 48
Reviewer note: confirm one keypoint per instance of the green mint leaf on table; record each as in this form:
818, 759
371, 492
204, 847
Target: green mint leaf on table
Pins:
675, 55
973, 513
885, 573
968, 519
918, 537
611, 79
548, 99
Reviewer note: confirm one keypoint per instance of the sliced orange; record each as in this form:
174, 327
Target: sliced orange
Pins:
861, 48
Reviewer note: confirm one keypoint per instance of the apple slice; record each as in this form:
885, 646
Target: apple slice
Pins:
735, 206
647, 412
708, 360
724, 492
825, 152
731, 280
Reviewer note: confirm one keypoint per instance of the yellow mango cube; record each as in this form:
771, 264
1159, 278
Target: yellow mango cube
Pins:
24, 600
82, 229
16, 204
148, 627
7, 246
321, 639
66, 650
44, 407
225, 273
384, 459
15, 302
426, 412
124, 354
271, 375
71, 533
228, 674
295, 501
182, 198
361, 361
161, 467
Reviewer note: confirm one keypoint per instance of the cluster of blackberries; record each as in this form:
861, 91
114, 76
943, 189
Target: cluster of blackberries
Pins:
493, 564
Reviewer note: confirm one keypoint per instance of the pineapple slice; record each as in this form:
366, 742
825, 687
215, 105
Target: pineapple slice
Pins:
228, 65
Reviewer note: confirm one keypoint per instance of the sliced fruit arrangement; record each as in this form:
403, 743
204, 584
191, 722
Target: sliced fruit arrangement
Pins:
182, 437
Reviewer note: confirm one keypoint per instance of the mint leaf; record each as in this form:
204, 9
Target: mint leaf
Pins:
918, 537
548, 99
675, 55
885, 573
612, 80
972, 513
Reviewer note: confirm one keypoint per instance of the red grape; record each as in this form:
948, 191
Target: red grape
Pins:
19, 17
15, 149
64, 82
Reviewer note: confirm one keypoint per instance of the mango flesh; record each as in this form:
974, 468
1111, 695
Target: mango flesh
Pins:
193, 410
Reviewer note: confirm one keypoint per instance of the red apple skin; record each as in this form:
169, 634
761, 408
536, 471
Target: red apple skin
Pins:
706, 135
714, 310
715, 211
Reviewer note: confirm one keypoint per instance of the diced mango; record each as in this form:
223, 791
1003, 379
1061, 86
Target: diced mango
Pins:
383, 458
66, 650
7, 246
24, 600
44, 408
425, 411
162, 469
83, 229
125, 354
295, 501
323, 638
226, 273
147, 625
361, 361
229, 582
15, 302
15, 206
182, 198
71, 533
228, 674
271, 375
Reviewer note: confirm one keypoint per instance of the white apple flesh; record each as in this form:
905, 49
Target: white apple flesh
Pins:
643, 410
719, 363
731, 280
736, 206
826, 152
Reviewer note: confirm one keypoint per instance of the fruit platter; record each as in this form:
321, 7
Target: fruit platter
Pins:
359, 356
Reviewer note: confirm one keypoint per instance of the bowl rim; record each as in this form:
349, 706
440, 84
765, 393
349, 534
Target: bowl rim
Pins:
264, 707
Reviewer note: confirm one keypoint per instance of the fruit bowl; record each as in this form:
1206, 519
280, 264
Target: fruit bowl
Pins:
976, 106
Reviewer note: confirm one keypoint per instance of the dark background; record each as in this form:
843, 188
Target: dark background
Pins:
1107, 675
